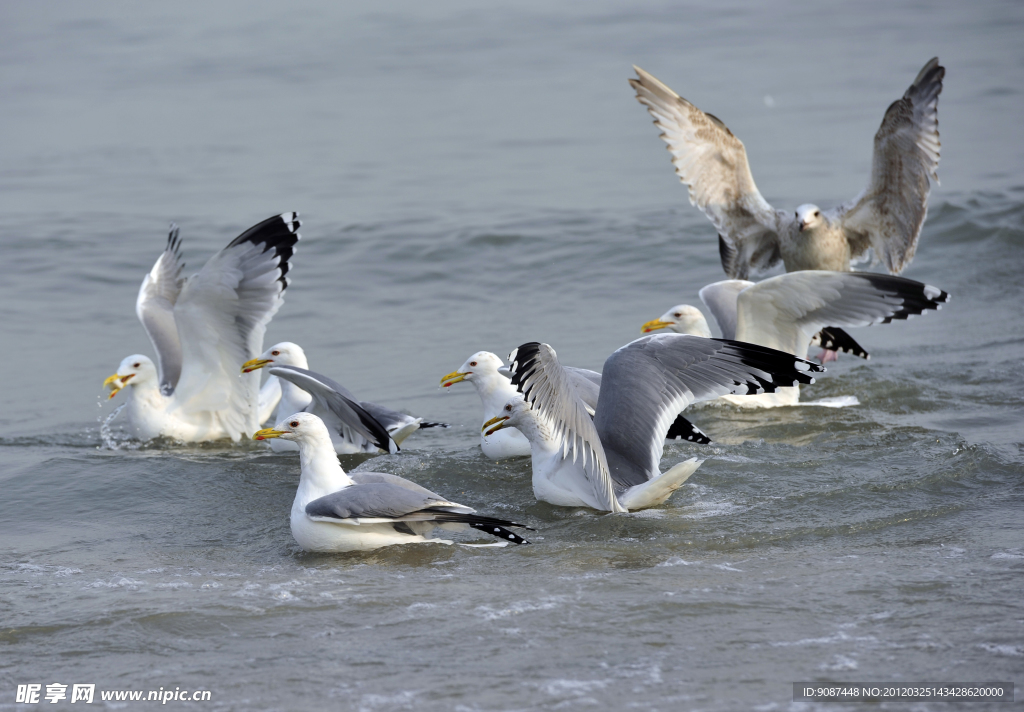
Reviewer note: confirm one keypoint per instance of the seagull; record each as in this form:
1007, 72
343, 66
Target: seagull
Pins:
305, 390
885, 218
493, 383
753, 236
334, 511
616, 454
486, 372
201, 328
785, 311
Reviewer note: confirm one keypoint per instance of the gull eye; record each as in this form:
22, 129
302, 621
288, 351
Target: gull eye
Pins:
508, 408
294, 424
472, 363
677, 315
137, 365
817, 213
275, 353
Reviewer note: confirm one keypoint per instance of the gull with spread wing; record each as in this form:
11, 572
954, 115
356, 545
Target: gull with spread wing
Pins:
616, 453
784, 312
753, 236
348, 419
202, 328
493, 384
337, 511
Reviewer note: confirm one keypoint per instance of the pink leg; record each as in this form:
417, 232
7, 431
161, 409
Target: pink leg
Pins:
827, 355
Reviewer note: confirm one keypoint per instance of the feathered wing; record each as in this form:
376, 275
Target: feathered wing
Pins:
377, 498
587, 384
155, 309
720, 298
270, 396
888, 215
339, 410
785, 311
712, 163
222, 314
647, 382
552, 391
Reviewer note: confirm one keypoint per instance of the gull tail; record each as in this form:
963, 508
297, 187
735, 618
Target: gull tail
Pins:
657, 490
490, 525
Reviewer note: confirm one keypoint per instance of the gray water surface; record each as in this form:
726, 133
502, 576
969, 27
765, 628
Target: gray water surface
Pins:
472, 178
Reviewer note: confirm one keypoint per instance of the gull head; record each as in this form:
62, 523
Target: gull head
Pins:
682, 319
515, 413
133, 370
298, 427
808, 217
283, 354
478, 366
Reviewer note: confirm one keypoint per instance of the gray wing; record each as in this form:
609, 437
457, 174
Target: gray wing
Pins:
784, 312
387, 417
712, 163
383, 500
365, 478
587, 384
222, 314
648, 382
155, 309
551, 391
887, 217
720, 298
340, 412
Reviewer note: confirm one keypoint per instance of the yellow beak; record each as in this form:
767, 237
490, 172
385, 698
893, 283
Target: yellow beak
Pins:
501, 420
655, 325
453, 378
116, 382
255, 363
267, 434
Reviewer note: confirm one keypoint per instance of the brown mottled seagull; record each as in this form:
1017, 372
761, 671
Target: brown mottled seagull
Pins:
754, 236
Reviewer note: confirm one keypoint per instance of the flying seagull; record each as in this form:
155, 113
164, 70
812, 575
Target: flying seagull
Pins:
753, 236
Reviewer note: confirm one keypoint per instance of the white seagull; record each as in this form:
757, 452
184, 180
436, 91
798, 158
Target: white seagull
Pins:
305, 390
615, 459
493, 384
785, 312
753, 236
334, 511
202, 328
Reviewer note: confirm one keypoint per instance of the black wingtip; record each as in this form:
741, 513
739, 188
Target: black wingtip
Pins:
434, 425
835, 339
279, 233
780, 369
683, 429
917, 297
522, 362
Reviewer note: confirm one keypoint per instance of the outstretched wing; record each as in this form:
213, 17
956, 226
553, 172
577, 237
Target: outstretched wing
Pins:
222, 314
648, 382
336, 406
720, 298
155, 309
888, 215
552, 391
784, 312
712, 163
